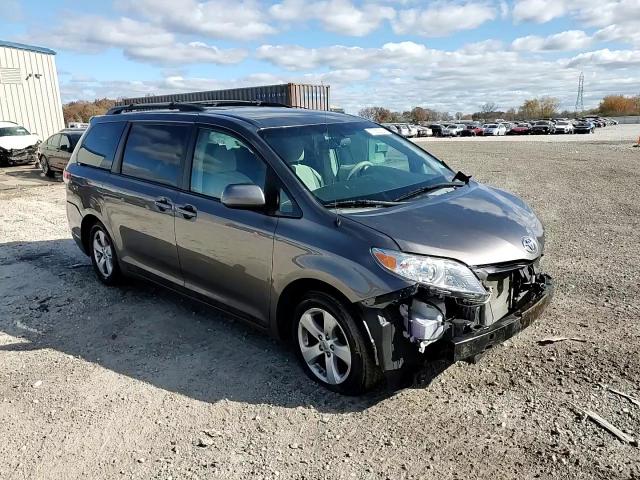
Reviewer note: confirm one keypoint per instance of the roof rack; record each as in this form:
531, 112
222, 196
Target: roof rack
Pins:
198, 106
133, 107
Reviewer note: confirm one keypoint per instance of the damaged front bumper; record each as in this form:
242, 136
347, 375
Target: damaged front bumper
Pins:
18, 156
474, 343
405, 325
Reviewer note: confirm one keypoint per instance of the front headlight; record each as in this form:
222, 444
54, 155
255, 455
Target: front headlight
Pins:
440, 274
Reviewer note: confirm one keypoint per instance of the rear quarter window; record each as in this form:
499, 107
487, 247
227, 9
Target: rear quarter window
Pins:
155, 152
99, 145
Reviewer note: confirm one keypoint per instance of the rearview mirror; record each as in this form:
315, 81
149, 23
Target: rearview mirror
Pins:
243, 196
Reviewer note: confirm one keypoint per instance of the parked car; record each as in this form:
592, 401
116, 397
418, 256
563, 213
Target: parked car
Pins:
522, 128
493, 129
391, 127
17, 145
403, 129
564, 126
440, 130
543, 127
424, 131
472, 130
583, 126
54, 153
326, 230
455, 128
413, 130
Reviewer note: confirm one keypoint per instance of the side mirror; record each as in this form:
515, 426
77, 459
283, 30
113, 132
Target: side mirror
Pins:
243, 196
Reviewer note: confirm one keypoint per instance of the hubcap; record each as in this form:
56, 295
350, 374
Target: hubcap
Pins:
103, 253
324, 346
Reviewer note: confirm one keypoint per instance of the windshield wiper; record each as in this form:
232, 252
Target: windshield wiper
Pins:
362, 202
429, 188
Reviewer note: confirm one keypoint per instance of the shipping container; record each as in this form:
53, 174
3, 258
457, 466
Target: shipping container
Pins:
314, 97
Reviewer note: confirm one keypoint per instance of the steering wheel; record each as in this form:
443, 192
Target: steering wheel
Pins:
358, 167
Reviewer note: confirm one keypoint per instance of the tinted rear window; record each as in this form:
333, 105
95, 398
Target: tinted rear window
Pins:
155, 152
99, 145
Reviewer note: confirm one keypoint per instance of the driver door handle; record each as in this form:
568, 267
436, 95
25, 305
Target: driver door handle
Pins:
187, 211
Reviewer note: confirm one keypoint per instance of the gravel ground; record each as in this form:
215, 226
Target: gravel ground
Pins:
135, 382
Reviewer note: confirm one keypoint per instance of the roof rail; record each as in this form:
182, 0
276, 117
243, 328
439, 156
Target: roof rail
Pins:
183, 107
239, 103
197, 106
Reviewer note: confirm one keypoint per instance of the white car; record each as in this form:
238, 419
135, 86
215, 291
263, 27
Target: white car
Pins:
494, 129
17, 144
456, 128
564, 126
391, 126
403, 129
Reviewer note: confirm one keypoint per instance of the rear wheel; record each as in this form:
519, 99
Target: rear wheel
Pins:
103, 256
330, 346
44, 166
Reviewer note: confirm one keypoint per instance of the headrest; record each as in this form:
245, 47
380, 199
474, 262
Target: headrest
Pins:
292, 149
217, 158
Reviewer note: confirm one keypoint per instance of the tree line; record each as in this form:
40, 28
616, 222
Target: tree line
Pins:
544, 107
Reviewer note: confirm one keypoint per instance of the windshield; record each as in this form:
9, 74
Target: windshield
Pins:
491, 125
541, 123
13, 131
355, 160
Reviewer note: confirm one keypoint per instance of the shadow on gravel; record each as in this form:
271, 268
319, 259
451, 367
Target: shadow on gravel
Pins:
51, 299
30, 173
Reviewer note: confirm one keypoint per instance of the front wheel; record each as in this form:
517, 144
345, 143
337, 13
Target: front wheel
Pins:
331, 347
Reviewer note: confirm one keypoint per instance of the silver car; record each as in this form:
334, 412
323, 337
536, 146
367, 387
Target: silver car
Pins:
362, 251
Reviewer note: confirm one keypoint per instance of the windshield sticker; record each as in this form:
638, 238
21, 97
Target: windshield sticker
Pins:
377, 131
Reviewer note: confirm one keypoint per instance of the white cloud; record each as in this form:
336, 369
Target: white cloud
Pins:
442, 19
607, 12
185, 53
566, 41
607, 58
619, 33
239, 20
339, 16
539, 11
138, 40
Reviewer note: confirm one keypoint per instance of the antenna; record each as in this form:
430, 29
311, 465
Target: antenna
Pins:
579, 99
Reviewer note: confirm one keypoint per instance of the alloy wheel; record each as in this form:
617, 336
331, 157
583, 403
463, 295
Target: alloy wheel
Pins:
324, 346
103, 253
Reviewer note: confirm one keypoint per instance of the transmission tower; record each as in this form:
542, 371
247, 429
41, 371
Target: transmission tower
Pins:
579, 99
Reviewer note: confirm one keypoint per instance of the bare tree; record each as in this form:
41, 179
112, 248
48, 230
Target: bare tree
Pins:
376, 114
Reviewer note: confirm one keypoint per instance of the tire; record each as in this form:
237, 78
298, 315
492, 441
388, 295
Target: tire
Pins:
46, 169
103, 256
352, 371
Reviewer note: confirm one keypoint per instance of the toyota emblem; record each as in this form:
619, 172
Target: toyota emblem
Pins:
530, 245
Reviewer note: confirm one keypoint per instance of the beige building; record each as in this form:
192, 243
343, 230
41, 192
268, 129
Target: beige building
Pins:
29, 90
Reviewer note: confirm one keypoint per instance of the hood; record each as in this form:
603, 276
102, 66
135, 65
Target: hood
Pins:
476, 224
17, 142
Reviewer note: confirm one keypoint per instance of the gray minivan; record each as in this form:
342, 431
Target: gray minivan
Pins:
330, 232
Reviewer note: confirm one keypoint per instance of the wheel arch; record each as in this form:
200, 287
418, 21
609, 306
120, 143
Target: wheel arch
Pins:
88, 221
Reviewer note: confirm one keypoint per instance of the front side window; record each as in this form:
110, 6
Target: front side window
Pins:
155, 152
99, 144
355, 160
64, 142
54, 140
220, 160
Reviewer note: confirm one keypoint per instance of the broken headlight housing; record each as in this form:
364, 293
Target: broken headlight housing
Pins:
440, 275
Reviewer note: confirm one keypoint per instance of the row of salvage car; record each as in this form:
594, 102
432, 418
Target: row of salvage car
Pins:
501, 127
